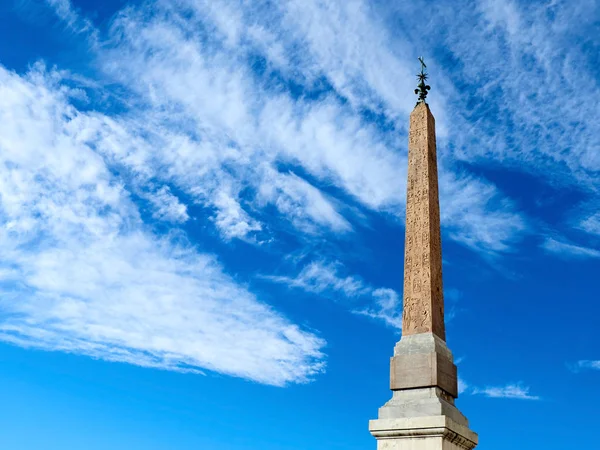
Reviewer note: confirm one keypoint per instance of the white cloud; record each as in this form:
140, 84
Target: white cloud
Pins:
205, 79
167, 206
202, 120
387, 307
231, 219
476, 214
318, 277
200, 90
463, 386
349, 45
532, 64
591, 224
585, 364
303, 204
82, 274
513, 391
69, 15
569, 250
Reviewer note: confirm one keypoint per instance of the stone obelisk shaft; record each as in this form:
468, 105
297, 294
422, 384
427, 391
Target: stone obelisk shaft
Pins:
423, 292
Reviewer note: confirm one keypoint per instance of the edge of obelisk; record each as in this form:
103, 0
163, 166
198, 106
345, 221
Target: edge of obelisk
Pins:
431, 426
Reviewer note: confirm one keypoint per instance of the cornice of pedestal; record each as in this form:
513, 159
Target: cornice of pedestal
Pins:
422, 343
424, 427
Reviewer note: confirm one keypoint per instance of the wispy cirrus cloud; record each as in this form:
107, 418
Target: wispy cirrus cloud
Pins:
327, 278
167, 206
297, 48
319, 277
517, 391
386, 306
512, 391
514, 100
463, 386
569, 250
584, 364
69, 15
527, 61
187, 75
524, 58
267, 115
307, 207
591, 224
82, 273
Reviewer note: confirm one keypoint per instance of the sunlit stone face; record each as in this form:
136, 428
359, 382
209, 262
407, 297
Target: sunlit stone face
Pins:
423, 293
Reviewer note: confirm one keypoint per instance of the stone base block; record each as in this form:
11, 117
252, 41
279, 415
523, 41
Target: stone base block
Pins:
421, 403
422, 433
421, 361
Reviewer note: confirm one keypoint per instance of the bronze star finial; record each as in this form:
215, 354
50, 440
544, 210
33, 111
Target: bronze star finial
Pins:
422, 87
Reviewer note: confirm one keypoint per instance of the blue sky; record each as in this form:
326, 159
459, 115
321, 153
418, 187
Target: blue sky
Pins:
201, 218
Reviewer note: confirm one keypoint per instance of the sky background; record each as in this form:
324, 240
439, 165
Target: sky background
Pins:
202, 205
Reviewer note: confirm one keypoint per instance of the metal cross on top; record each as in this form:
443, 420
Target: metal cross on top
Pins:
422, 88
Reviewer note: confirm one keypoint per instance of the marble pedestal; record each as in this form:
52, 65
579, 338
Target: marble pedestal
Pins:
422, 433
421, 415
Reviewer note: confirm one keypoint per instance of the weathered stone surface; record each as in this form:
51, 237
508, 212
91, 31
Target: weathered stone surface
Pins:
422, 343
422, 433
423, 291
423, 360
422, 402
414, 371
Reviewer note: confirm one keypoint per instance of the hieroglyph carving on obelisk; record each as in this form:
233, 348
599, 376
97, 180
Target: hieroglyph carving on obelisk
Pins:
423, 292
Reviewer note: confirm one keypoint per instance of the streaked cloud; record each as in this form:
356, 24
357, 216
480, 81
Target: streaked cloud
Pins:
386, 306
584, 364
82, 273
569, 250
270, 117
327, 278
591, 224
249, 123
167, 206
463, 386
319, 276
512, 391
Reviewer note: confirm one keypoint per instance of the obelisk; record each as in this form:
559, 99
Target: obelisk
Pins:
421, 415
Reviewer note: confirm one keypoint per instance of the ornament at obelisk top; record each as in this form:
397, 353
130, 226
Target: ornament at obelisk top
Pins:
422, 87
